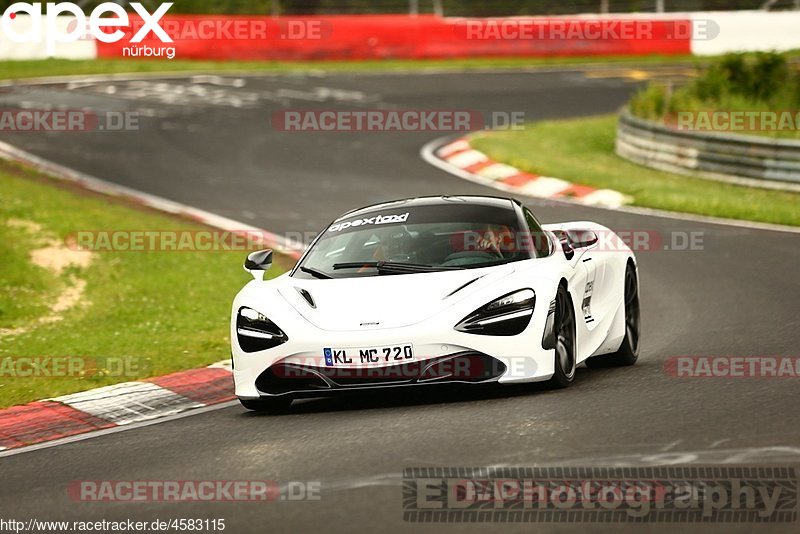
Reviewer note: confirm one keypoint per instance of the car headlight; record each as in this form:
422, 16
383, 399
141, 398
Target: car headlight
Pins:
256, 332
507, 316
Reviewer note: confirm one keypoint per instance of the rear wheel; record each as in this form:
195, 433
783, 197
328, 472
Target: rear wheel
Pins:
628, 352
271, 404
564, 330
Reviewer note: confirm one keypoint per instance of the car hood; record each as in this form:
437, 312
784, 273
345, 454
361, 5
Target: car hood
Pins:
380, 302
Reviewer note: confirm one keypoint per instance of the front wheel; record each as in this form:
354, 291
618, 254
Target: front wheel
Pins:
267, 405
628, 352
564, 330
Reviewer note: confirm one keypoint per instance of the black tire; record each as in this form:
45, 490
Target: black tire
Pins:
564, 329
267, 405
628, 352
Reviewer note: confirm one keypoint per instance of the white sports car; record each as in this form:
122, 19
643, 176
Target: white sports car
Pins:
438, 290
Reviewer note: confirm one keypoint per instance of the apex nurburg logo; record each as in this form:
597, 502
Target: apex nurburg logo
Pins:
44, 23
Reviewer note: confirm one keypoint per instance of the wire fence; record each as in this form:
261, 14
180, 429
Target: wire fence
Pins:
458, 8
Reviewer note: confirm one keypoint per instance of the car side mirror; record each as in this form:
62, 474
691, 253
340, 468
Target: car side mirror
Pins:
582, 238
566, 245
257, 263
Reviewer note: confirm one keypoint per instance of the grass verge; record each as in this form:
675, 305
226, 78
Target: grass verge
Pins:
62, 67
126, 315
582, 151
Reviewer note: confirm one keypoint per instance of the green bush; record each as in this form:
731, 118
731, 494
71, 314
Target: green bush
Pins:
764, 81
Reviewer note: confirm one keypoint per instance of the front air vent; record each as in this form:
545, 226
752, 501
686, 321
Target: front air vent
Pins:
307, 297
462, 287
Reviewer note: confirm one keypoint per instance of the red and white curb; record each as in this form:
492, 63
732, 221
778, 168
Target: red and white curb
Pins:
459, 158
133, 402
112, 406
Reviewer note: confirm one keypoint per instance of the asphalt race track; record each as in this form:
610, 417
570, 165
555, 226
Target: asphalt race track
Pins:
208, 142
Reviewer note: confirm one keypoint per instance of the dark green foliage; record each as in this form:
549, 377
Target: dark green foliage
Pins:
763, 81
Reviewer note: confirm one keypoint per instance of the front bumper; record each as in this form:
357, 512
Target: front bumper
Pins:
310, 380
442, 355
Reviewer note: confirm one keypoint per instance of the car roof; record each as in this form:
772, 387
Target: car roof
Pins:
474, 200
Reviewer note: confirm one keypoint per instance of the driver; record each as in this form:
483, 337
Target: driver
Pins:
396, 245
493, 239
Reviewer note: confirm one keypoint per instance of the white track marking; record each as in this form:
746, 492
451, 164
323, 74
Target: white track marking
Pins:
131, 402
467, 159
218, 80
606, 197
224, 364
498, 171
451, 148
544, 187
670, 446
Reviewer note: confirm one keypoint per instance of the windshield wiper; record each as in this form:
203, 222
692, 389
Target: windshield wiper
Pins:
356, 265
492, 263
316, 274
388, 267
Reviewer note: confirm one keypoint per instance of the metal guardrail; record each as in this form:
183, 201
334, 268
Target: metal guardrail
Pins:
749, 159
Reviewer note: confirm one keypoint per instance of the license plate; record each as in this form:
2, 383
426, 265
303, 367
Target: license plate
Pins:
385, 355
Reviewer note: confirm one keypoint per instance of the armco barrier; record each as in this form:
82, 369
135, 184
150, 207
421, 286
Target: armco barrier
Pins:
775, 162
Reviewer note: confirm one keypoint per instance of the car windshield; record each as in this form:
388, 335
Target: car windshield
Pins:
416, 239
